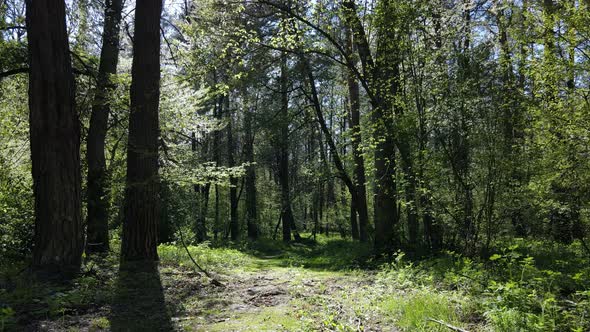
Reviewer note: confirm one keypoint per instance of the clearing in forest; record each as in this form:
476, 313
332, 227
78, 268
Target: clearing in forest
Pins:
267, 287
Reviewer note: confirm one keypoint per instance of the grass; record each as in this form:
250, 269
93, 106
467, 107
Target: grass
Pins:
330, 284
414, 310
267, 319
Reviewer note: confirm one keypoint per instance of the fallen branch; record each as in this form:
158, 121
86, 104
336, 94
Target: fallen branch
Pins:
213, 280
451, 327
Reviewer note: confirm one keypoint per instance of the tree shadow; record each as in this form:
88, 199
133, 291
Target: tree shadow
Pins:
138, 302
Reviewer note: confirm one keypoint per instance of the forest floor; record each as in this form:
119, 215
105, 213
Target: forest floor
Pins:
328, 285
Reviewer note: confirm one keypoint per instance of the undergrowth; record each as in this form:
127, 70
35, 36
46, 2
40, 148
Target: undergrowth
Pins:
521, 286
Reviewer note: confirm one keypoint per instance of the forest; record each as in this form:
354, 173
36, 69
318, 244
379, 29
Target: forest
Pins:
295, 165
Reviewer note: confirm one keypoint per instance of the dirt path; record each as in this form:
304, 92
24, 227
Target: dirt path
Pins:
282, 299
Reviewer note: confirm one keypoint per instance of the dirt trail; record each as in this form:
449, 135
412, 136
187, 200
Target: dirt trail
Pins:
280, 299
268, 299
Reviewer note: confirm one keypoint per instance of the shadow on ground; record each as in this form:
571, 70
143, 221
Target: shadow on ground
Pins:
138, 303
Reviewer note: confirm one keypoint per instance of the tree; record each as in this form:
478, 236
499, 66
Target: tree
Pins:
283, 152
234, 225
383, 81
97, 238
250, 182
141, 192
55, 140
360, 207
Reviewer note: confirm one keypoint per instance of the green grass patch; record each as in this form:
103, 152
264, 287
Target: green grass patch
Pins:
414, 311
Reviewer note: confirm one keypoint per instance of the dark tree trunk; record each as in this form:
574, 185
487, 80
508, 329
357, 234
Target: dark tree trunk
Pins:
359, 179
410, 188
250, 182
55, 141
234, 226
286, 212
386, 86
97, 198
142, 202
382, 87
202, 198
217, 158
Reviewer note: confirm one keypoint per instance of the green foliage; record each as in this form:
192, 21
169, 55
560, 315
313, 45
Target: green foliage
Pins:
16, 194
215, 259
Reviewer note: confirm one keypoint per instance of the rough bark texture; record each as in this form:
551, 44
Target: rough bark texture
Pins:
141, 194
55, 140
97, 198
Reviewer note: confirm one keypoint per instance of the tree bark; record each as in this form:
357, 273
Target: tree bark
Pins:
97, 192
141, 192
55, 141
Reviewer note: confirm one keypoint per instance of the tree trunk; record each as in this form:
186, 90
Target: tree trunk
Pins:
217, 158
329, 139
250, 182
383, 85
202, 198
55, 141
359, 179
286, 212
386, 86
141, 194
97, 197
234, 226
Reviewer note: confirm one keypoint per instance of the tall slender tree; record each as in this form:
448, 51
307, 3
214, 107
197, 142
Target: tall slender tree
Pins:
141, 192
55, 140
234, 226
360, 206
250, 181
97, 197
283, 152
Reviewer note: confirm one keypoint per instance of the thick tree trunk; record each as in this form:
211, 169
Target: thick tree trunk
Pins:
55, 141
97, 198
142, 203
250, 182
286, 212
